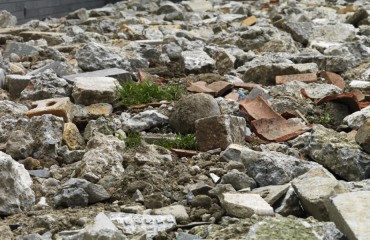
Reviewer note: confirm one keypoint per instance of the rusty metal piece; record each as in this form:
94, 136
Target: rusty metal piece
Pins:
333, 78
303, 77
258, 108
348, 99
277, 130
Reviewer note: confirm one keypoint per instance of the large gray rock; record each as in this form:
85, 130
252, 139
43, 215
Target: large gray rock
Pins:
49, 85
80, 192
8, 124
91, 90
244, 205
20, 145
12, 108
293, 228
197, 61
314, 194
339, 153
143, 121
273, 168
231, 129
300, 31
7, 19
191, 108
47, 132
350, 212
357, 119
238, 180
16, 193
104, 155
94, 56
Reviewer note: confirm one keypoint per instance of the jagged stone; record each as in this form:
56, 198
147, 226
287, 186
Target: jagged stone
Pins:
15, 187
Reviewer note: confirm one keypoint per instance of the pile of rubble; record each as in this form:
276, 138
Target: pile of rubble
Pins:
277, 99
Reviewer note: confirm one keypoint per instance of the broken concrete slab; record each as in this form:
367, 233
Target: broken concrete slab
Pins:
16, 84
91, 90
244, 205
231, 129
117, 73
350, 213
303, 77
21, 49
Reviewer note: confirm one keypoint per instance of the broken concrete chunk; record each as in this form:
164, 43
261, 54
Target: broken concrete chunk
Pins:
21, 49
7, 19
244, 205
197, 61
91, 90
15, 188
117, 73
357, 119
350, 218
363, 136
273, 193
61, 107
136, 223
72, 137
178, 211
16, 84
231, 129
303, 77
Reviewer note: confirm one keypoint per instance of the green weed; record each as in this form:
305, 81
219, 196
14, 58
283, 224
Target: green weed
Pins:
130, 93
187, 142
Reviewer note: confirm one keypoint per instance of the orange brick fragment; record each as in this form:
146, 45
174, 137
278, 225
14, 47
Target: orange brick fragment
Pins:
61, 107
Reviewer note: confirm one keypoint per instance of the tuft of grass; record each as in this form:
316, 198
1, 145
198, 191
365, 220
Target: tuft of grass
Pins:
131, 93
132, 140
323, 119
187, 142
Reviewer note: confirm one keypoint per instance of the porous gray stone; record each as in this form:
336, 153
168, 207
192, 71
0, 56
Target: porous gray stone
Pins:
143, 121
94, 56
197, 61
7, 19
20, 145
238, 180
191, 108
16, 192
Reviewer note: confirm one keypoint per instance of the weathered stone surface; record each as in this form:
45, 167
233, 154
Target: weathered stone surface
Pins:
231, 129
178, 211
7, 19
20, 145
339, 153
293, 228
94, 56
47, 86
238, 180
350, 212
16, 193
143, 121
9, 123
273, 193
102, 228
91, 90
314, 194
357, 119
79, 192
197, 61
117, 73
273, 168
72, 137
47, 131
21, 49
11, 108
191, 108
16, 84
135, 223
244, 205
363, 136
105, 154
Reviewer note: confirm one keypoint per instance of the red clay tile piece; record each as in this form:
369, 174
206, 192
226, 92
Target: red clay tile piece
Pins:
220, 87
247, 86
364, 104
277, 130
333, 78
183, 152
303, 77
199, 87
233, 96
258, 108
348, 99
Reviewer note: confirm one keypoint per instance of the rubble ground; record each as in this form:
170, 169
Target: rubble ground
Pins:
200, 119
